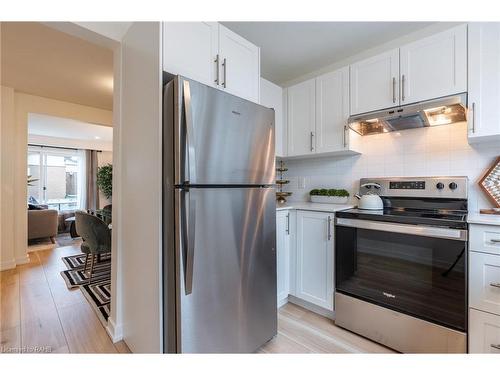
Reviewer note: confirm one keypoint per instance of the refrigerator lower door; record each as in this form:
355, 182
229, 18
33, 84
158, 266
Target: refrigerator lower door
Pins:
227, 295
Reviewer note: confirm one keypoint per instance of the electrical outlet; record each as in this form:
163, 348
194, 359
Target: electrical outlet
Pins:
301, 182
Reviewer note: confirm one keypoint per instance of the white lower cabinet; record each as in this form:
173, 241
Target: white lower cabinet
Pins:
484, 289
314, 258
283, 242
484, 282
484, 332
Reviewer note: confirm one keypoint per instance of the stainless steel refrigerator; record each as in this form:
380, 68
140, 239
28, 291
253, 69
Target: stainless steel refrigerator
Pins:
219, 227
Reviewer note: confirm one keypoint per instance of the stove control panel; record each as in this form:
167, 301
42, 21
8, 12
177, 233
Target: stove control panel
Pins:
412, 185
454, 187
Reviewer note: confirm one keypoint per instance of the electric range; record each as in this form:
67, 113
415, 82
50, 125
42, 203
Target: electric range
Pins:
401, 272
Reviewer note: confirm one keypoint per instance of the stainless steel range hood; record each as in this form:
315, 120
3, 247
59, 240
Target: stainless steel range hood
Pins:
442, 111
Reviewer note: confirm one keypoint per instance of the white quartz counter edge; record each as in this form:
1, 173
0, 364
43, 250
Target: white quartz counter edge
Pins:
323, 207
477, 218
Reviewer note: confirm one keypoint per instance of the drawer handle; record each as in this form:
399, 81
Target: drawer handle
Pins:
496, 285
494, 240
495, 346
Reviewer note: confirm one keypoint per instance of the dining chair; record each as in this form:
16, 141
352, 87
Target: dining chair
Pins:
96, 238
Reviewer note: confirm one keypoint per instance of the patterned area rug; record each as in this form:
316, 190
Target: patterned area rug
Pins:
98, 293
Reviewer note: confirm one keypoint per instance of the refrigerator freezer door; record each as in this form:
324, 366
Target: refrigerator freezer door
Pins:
221, 139
231, 302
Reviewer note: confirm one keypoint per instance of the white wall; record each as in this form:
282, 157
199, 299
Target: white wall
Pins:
7, 181
271, 96
141, 187
440, 150
15, 109
82, 144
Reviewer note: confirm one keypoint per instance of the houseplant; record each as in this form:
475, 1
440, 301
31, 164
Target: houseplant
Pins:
105, 180
337, 196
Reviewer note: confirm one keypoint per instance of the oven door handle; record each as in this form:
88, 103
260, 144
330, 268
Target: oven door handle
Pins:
416, 230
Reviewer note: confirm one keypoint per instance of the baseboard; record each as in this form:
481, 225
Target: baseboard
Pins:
312, 307
114, 331
282, 302
8, 265
23, 260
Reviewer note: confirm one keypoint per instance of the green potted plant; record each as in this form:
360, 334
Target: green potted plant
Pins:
335, 196
105, 180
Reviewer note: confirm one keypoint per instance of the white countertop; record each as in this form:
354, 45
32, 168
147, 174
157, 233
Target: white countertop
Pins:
477, 218
323, 207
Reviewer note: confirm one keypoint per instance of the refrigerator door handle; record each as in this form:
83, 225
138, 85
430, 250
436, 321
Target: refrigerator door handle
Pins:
191, 152
190, 226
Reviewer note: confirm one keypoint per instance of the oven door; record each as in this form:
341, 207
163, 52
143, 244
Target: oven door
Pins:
413, 269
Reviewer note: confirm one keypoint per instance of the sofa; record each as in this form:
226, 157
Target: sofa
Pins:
42, 224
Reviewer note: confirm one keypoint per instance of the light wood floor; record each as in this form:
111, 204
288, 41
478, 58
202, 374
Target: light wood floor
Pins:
38, 311
302, 331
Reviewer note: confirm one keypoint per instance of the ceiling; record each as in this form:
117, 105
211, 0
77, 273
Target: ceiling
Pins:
50, 126
39, 60
292, 49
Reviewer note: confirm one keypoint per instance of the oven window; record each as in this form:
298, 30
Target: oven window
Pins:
421, 276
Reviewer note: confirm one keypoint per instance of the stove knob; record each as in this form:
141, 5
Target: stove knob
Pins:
452, 185
440, 186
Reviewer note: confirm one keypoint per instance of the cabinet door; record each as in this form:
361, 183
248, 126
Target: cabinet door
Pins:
190, 49
301, 118
314, 280
435, 66
332, 111
484, 282
271, 96
484, 332
283, 254
484, 80
240, 65
374, 83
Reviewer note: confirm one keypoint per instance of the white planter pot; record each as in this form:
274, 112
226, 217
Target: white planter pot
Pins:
331, 200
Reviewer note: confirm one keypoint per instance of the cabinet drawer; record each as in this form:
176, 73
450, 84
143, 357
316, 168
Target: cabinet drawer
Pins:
484, 285
485, 238
484, 332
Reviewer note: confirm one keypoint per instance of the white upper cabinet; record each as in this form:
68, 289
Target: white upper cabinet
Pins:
314, 263
190, 49
332, 111
240, 65
375, 83
214, 55
301, 118
271, 96
435, 66
484, 82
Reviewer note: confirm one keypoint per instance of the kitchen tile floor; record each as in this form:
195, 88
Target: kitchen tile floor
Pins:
302, 331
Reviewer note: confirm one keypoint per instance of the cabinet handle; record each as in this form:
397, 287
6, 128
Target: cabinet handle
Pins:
474, 118
403, 79
494, 240
312, 147
224, 65
329, 228
495, 285
345, 136
495, 346
288, 223
216, 61
394, 89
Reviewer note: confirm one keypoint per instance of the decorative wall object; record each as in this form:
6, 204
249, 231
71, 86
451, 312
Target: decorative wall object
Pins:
490, 184
280, 194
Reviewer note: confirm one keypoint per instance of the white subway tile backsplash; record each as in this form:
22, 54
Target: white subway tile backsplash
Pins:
441, 150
